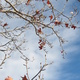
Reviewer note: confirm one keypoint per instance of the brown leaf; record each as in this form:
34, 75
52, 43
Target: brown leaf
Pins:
28, 2
48, 2
73, 26
40, 41
57, 22
40, 47
24, 78
66, 24
39, 31
51, 17
5, 24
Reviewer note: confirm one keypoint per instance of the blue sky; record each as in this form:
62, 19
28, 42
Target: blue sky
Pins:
71, 70
61, 69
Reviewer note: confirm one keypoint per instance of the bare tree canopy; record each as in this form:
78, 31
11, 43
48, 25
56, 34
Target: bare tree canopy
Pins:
44, 21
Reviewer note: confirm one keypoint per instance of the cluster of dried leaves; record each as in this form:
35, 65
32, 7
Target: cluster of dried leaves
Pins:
37, 19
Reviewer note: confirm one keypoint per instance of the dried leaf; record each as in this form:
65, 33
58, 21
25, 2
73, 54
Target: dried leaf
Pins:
39, 31
24, 78
5, 24
51, 17
73, 26
66, 24
28, 2
57, 22
48, 2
